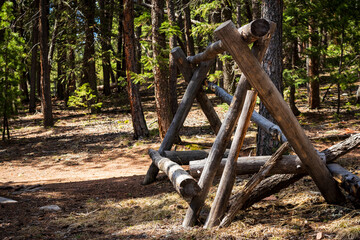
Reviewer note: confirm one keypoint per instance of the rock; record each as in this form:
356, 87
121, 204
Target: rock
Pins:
54, 208
6, 200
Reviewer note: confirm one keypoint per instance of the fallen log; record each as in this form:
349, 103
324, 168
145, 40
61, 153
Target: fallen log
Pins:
348, 181
183, 183
249, 32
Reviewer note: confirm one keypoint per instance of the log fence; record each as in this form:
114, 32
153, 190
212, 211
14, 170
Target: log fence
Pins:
227, 163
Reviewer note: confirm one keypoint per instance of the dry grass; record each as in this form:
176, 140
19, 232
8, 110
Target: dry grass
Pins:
298, 213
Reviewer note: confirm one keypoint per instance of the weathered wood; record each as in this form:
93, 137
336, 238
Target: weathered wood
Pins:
222, 140
205, 104
287, 164
241, 197
185, 157
276, 105
276, 183
268, 126
339, 149
249, 32
183, 183
179, 118
348, 181
227, 180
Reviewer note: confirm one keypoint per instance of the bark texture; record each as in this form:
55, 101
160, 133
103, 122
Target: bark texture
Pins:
161, 80
272, 64
89, 74
45, 68
138, 119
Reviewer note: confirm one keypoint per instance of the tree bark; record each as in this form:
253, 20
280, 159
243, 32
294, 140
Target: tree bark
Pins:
34, 75
45, 68
272, 64
313, 67
139, 123
170, 5
294, 62
190, 49
228, 72
88, 72
119, 69
161, 80
106, 15
256, 9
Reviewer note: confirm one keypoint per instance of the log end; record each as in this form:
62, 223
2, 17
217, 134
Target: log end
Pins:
189, 188
224, 25
260, 27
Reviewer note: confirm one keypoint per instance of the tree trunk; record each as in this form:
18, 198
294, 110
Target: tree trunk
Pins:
45, 68
61, 71
106, 15
190, 49
71, 41
34, 74
294, 62
119, 69
313, 68
256, 9
172, 64
88, 73
228, 73
162, 95
139, 124
272, 64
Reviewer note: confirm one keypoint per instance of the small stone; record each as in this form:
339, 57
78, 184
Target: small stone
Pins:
6, 200
319, 235
50, 208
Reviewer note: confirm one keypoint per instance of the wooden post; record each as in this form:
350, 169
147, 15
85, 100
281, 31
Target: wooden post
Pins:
226, 184
222, 139
249, 32
184, 184
262, 122
278, 108
241, 197
179, 118
205, 104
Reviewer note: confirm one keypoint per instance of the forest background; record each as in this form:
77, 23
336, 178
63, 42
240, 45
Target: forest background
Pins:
80, 52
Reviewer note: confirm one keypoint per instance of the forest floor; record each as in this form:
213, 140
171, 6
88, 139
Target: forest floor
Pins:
92, 169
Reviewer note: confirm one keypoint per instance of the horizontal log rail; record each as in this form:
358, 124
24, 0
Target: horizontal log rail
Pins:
249, 32
268, 126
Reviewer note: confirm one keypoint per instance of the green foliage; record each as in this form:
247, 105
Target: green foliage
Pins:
295, 77
11, 62
215, 76
84, 97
